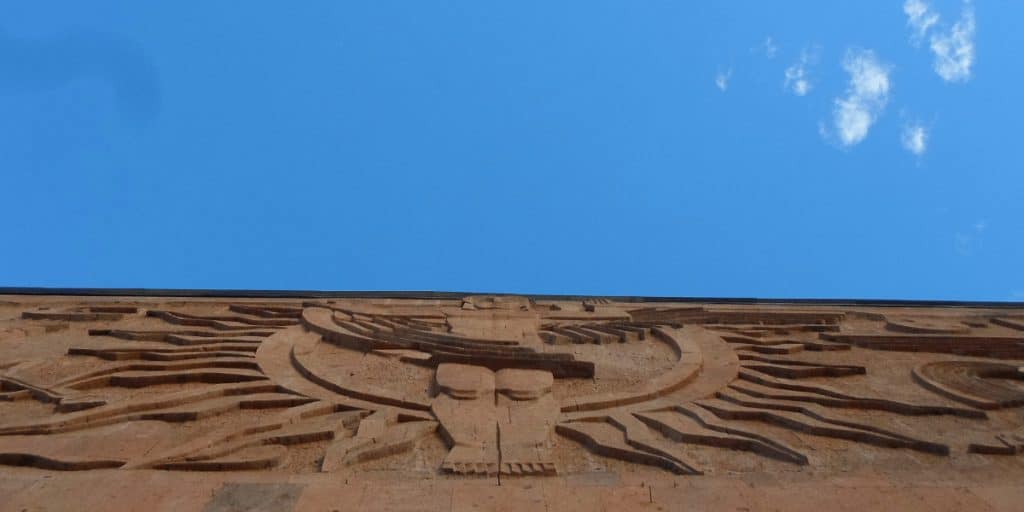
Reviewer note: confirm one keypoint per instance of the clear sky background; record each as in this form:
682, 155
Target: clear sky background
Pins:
717, 148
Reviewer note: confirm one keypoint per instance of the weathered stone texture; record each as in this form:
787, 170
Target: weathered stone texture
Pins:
507, 402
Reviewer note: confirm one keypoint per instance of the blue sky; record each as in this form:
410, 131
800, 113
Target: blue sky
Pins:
732, 149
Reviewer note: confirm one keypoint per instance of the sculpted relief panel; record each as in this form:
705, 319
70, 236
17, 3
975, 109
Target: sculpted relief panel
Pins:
500, 386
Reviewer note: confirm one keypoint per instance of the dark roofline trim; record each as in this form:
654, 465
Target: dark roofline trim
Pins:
319, 294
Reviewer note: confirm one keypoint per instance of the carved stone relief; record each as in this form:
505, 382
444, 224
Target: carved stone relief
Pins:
497, 386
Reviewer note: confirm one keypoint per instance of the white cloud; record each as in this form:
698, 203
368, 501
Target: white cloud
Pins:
954, 50
915, 138
797, 79
769, 47
920, 17
722, 79
966, 243
866, 96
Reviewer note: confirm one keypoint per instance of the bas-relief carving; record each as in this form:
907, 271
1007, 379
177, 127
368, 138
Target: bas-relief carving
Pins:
509, 385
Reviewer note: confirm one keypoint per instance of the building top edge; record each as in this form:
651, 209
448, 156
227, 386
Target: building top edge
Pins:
306, 294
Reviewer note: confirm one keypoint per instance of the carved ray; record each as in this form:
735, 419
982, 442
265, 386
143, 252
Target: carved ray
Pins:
815, 393
811, 410
224, 438
798, 419
139, 379
253, 458
805, 371
640, 436
186, 337
776, 349
604, 439
81, 314
267, 311
622, 436
1005, 443
792, 369
65, 399
320, 428
138, 409
220, 322
999, 347
685, 429
380, 434
53, 464
101, 377
155, 354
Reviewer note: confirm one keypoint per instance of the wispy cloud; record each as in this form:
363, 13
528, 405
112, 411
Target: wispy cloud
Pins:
797, 77
966, 242
768, 48
953, 49
722, 79
915, 138
867, 94
920, 17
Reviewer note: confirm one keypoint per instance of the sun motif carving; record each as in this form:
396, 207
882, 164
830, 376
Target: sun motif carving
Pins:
504, 385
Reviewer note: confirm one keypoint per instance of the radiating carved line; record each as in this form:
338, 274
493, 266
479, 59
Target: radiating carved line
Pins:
260, 457
711, 422
639, 436
43, 394
136, 409
691, 315
379, 435
606, 440
224, 438
220, 323
1006, 443
780, 349
138, 379
81, 314
793, 369
812, 411
141, 354
770, 330
42, 462
925, 325
1016, 323
817, 393
804, 372
968, 345
267, 311
185, 338
685, 429
98, 378
811, 425
311, 430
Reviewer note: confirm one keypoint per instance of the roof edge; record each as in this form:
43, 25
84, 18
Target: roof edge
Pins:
319, 294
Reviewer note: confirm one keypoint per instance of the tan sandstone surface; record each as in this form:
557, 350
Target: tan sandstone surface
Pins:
447, 402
